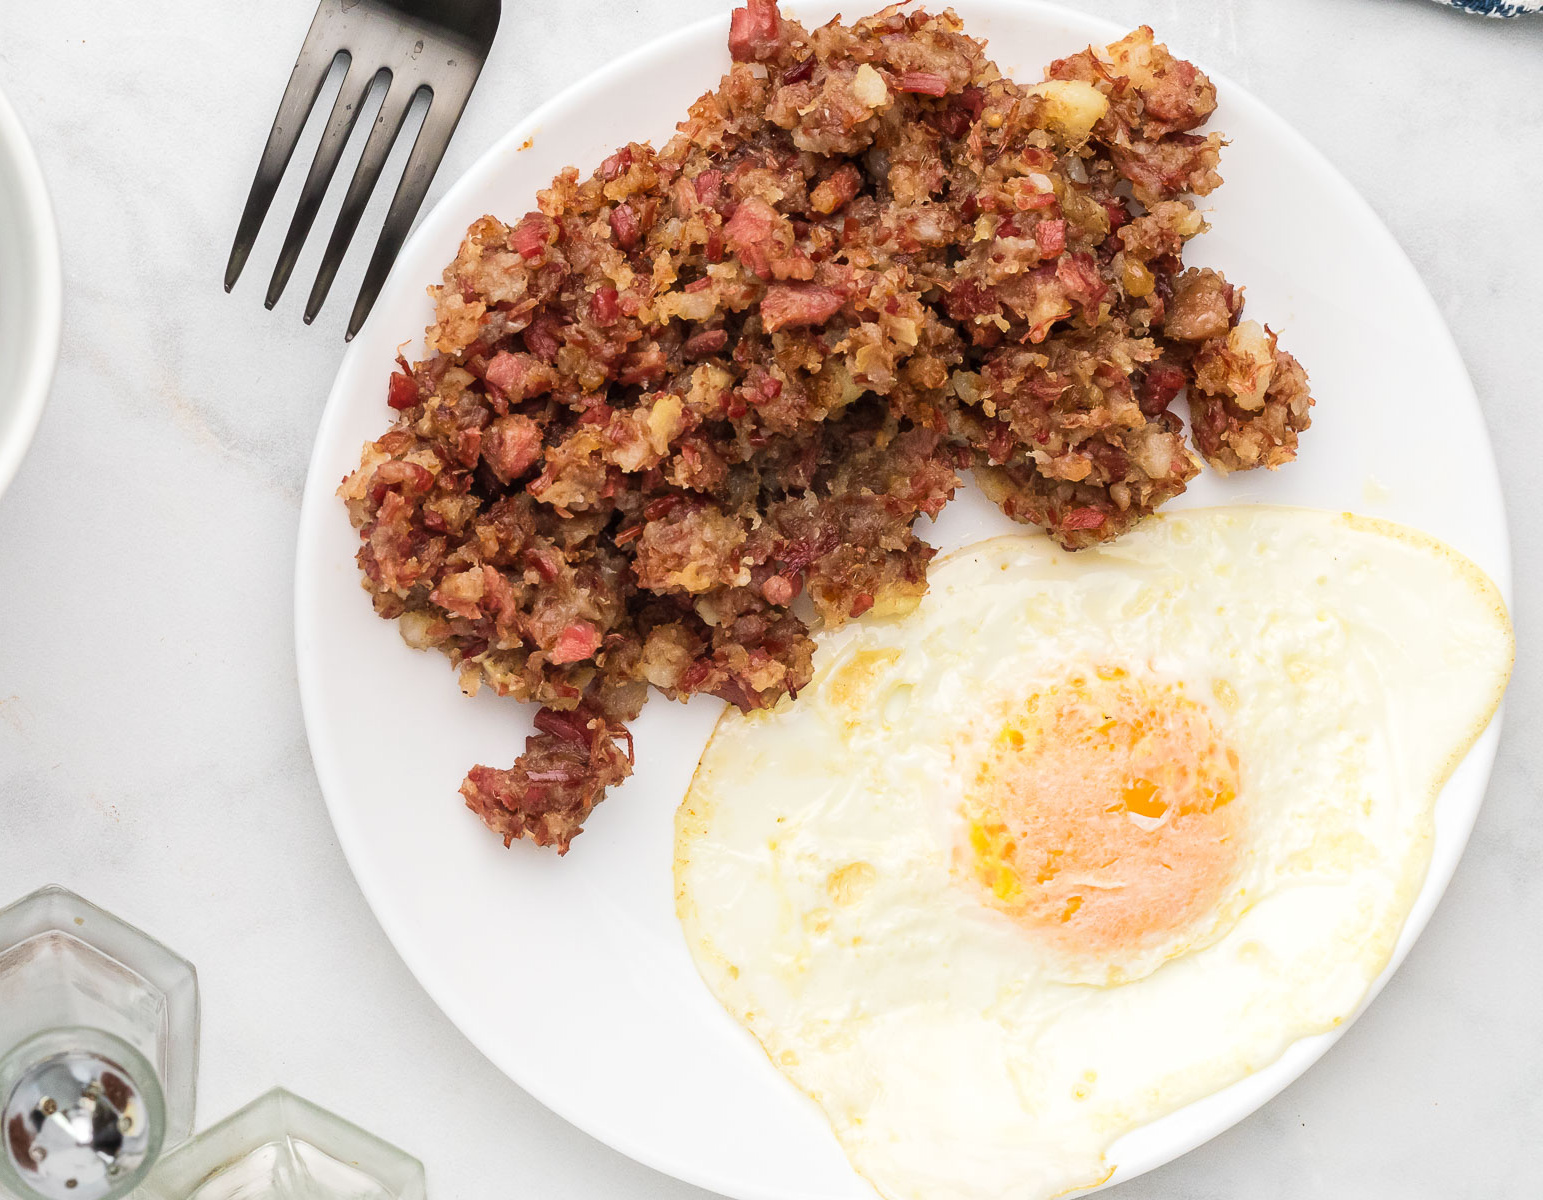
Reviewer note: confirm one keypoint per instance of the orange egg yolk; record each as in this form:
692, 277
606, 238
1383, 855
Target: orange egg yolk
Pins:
1102, 816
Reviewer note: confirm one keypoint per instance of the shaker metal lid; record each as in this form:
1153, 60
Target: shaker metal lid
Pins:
77, 1127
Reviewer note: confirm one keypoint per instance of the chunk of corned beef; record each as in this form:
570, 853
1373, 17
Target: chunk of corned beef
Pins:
795, 304
531, 235
519, 376
510, 446
754, 31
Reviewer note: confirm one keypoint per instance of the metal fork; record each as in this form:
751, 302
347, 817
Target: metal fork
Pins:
434, 46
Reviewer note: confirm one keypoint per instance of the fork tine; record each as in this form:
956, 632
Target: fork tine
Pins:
438, 125
305, 83
340, 126
388, 123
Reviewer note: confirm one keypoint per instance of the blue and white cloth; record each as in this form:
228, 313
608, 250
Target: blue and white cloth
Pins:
1497, 8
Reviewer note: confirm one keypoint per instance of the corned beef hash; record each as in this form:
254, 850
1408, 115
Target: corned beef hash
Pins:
691, 407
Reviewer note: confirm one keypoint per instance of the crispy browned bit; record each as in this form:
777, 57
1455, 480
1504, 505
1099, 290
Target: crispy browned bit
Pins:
695, 403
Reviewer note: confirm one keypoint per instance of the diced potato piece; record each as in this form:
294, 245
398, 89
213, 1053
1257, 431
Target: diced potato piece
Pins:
414, 625
868, 86
665, 422
1072, 106
1134, 57
688, 306
1252, 353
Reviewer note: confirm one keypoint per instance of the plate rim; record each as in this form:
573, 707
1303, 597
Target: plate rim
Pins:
45, 322
1253, 1091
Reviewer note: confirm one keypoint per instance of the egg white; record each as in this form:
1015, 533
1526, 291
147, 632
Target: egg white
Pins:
1349, 662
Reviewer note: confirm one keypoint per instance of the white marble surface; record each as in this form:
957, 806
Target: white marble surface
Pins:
151, 749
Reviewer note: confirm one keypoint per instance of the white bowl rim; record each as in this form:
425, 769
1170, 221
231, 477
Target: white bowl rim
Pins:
47, 314
1211, 1115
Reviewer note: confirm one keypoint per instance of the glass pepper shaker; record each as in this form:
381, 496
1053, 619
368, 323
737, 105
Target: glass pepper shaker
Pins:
98, 1050
281, 1147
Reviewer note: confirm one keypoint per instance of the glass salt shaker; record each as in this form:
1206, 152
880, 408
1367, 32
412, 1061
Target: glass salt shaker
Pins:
281, 1147
98, 1050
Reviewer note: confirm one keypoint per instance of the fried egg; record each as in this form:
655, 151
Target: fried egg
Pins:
1087, 836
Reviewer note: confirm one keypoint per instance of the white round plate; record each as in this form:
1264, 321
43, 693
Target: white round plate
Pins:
30, 291
571, 974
